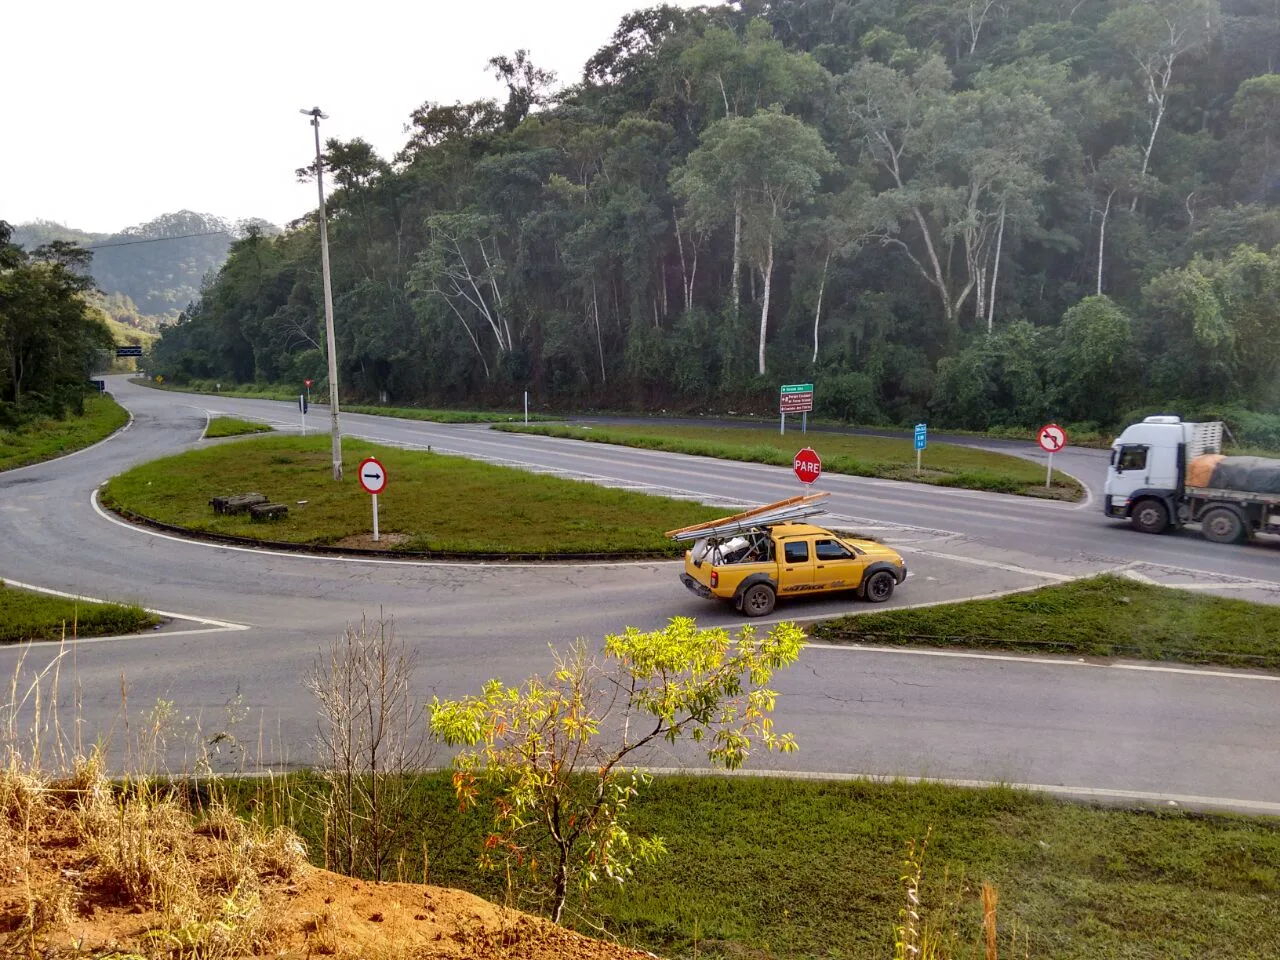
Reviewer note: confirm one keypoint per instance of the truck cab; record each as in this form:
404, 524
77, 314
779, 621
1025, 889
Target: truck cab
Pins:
1146, 478
754, 559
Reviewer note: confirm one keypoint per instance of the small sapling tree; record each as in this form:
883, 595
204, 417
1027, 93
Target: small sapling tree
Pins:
551, 753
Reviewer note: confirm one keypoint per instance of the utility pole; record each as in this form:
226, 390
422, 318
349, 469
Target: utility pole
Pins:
335, 431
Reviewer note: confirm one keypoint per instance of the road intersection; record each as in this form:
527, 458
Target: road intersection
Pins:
255, 618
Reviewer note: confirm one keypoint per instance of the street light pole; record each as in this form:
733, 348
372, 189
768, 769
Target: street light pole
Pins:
335, 431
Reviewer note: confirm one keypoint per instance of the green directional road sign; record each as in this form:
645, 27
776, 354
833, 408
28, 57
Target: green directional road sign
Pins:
797, 388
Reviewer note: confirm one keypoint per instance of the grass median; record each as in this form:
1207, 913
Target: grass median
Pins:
233, 427
1103, 616
25, 615
432, 503
769, 867
320, 401
446, 416
47, 438
946, 465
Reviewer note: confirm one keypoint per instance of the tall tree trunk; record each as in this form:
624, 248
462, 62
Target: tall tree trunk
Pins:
764, 309
595, 309
817, 314
684, 272
1102, 238
1161, 99
995, 273
980, 299
939, 278
735, 282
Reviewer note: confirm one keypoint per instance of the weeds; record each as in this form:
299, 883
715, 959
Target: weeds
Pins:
46, 438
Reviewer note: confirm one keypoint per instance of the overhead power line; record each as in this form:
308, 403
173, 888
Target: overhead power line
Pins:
184, 236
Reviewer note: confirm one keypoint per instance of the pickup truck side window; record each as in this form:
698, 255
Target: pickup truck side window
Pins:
797, 551
830, 550
1132, 457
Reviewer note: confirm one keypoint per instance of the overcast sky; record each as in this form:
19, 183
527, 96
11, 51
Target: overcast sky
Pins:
116, 111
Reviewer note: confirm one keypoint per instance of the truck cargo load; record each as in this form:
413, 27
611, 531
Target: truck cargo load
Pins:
1245, 474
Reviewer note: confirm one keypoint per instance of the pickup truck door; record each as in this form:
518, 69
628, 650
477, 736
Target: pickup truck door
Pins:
795, 566
836, 566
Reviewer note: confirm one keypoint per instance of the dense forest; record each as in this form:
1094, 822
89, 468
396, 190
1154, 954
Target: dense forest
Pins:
50, 338
980, 212
148, 283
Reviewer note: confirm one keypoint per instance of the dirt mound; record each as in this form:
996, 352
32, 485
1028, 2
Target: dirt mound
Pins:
87, 872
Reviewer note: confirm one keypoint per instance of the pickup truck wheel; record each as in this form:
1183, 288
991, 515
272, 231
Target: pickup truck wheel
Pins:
880, 587
1151, 516
758, 601
1222, 525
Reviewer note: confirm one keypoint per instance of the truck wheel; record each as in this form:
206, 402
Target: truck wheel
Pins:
880, 587
758, 601
1151, 516
1222, 525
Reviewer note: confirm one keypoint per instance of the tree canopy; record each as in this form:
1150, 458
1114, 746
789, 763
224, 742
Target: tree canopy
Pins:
50, 339
980, 213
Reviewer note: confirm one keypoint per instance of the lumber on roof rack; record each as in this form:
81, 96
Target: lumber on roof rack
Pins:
793, 508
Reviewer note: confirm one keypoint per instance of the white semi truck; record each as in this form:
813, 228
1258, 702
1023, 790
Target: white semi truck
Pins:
1165, 472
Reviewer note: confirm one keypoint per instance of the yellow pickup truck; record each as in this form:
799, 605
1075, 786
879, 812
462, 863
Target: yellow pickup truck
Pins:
753, 558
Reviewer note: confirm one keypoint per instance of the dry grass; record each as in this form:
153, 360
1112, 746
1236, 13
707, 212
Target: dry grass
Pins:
160, 879
152, 867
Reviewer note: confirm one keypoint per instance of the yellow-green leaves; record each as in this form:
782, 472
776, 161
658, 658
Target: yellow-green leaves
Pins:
556, 755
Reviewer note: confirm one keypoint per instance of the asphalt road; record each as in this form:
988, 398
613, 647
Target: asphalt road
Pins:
255, 619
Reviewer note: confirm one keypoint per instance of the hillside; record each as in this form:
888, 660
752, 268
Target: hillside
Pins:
976, 214
153, 269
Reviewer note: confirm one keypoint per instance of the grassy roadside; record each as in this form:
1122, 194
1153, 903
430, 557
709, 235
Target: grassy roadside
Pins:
37, 616
233, 427
944, 464
432, 503
46, 439
275, 392
447, 416
244, 391
1100, 617
764, 867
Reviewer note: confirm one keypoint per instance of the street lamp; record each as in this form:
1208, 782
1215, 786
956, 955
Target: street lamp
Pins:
334, 430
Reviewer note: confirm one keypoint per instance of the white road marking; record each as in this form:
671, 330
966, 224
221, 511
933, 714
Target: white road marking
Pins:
1062, 661
208, 419
993, 564
1101, 793
211, 625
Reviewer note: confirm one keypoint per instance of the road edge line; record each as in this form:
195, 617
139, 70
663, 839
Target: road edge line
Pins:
214, 626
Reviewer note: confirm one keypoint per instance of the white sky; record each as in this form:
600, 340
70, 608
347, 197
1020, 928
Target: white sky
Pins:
120, 110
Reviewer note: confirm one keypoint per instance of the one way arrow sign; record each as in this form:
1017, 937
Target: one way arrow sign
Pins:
372, 476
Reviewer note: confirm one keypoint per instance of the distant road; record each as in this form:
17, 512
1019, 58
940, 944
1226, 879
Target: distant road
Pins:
1177, 733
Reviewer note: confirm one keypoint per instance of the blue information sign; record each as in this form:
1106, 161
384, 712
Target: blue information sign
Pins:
922, 436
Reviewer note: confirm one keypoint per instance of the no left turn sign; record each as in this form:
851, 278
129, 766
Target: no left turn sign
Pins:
372, 476
1051, 438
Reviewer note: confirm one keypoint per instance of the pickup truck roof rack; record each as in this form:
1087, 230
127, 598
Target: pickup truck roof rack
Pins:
783, 511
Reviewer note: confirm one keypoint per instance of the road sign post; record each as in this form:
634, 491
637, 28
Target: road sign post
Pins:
795, 398
373, 478
807, 466
302, 411
1051, 439
922, 441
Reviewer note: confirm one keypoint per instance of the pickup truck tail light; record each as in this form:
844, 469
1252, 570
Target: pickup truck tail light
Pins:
715, 579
